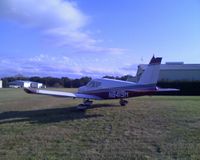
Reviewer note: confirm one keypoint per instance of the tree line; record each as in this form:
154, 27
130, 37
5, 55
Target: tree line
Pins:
65, 82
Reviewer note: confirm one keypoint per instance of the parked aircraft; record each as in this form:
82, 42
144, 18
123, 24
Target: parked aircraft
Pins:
102, 88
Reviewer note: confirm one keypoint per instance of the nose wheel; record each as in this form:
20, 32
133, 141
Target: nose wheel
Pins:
123, 102
86, 103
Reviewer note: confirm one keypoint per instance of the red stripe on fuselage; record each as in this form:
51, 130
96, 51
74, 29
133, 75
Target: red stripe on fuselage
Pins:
105, 95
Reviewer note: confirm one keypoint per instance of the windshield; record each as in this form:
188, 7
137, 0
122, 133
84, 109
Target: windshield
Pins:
93, 84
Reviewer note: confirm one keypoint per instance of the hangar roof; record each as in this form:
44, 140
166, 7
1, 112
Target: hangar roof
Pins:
175, 66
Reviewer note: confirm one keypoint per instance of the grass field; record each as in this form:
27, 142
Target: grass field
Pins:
41, 127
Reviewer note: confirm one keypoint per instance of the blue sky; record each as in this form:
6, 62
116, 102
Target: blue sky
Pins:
94, 38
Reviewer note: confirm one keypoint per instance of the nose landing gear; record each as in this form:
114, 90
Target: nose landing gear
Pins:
123, 102
86, 103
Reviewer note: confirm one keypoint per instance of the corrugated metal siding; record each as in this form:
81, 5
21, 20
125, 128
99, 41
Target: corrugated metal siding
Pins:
179, 75
184, 72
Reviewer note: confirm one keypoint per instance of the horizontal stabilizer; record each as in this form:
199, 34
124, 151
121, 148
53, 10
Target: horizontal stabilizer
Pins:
167, 89
157, 89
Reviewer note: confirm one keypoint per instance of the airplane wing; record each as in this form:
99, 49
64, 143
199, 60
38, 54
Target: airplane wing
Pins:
60, 94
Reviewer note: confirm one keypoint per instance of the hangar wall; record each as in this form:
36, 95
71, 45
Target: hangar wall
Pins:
179, 75
23, 84
170, 72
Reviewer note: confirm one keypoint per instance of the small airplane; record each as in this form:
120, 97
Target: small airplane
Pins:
103, 88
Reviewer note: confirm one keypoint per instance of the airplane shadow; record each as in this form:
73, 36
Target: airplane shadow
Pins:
49, 115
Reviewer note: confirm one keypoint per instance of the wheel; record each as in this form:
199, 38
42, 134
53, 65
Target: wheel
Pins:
87, 102
123, 102
81, 107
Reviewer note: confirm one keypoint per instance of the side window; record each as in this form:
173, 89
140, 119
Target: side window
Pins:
98, 84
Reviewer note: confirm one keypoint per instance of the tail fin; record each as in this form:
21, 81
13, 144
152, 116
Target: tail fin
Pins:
151, 73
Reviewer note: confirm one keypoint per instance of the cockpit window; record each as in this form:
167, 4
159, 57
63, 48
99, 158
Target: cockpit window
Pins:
93, 84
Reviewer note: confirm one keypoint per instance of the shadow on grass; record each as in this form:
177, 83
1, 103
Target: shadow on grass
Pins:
49, 115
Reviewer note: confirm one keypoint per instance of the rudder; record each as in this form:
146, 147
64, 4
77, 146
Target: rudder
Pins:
151, 73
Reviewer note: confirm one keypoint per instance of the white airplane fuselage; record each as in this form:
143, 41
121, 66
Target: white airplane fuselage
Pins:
115, 89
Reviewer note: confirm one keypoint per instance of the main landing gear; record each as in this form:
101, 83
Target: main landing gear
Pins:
123, 102
86, 103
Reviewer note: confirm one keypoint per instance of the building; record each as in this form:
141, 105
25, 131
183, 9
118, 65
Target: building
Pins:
174, 71
1, 84
25, 84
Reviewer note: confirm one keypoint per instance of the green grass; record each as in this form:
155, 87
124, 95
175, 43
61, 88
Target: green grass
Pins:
42, 127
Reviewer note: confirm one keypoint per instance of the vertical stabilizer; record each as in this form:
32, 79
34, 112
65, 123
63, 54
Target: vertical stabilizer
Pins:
151, 73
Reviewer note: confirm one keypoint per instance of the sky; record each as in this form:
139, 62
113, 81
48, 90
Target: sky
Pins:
75, 38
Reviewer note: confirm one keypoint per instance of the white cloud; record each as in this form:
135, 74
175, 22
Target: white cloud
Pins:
45, 65
45, 14
63, 24
60, 20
